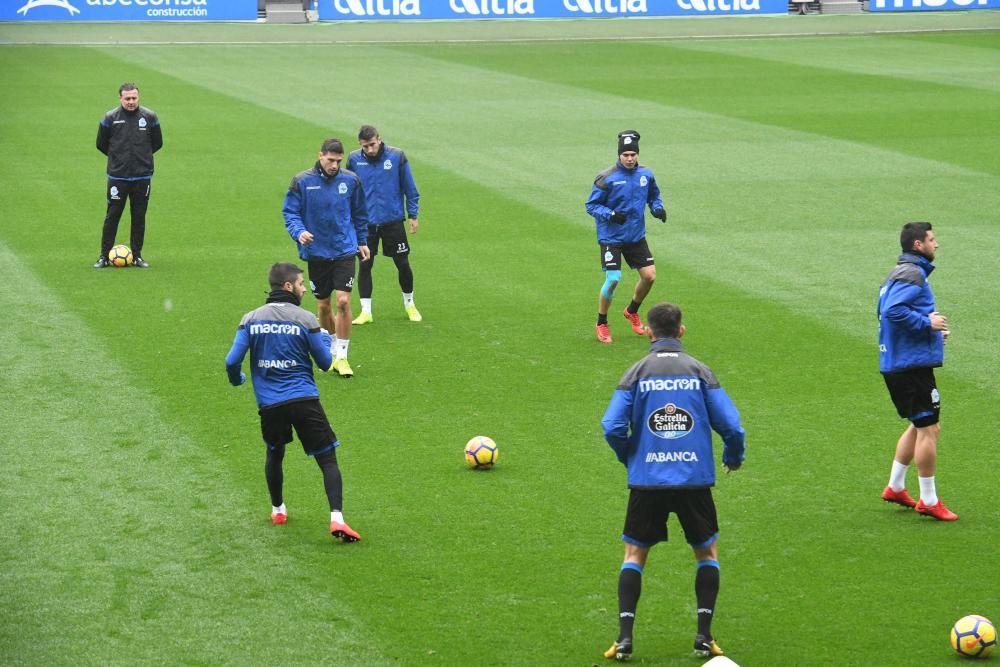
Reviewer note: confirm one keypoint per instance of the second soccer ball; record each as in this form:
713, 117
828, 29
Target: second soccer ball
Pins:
974, 636
481, 452
120, 255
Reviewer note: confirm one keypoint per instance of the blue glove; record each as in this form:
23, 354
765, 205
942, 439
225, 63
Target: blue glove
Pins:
618, 217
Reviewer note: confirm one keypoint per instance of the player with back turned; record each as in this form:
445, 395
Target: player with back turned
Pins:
659, 424
283, 340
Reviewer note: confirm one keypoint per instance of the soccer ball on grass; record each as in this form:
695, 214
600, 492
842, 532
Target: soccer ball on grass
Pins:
974, 636
120, 255
481, 452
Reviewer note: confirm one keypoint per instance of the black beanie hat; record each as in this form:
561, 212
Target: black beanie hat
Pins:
628, 141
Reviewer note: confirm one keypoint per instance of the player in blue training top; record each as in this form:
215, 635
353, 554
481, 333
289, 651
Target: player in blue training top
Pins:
392, 196
326, 215
659, 424
283, 340
911, 340
617, 202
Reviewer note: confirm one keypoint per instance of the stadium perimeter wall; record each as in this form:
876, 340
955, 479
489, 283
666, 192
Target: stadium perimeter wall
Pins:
390, 32
75, 11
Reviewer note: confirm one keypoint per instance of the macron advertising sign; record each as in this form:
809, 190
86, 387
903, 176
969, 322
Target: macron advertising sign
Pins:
397, 10
128, 10
929, 5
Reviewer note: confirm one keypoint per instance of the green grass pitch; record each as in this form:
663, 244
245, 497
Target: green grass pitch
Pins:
135, 525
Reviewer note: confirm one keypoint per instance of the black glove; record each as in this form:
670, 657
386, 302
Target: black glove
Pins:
660, 214
618, 217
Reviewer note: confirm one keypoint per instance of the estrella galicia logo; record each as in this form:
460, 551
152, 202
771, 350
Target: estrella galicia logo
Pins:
342, 188
31, 4
670, 422
387, 165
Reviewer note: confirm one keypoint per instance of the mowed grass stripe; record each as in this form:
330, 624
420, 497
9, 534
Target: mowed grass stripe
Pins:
125, 541
969, 60
788, 196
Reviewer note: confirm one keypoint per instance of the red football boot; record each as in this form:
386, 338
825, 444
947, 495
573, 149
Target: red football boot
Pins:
603, 333
939, 511
899, 497
343, 532
633, 319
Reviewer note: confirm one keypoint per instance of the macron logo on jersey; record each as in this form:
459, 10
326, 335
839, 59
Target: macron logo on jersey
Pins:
670, 384
275, 328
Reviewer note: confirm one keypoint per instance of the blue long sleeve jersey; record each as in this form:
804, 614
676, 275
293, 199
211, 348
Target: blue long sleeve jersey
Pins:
283, 340
626, 191
332, 208
905, 302
661, 417
387, 180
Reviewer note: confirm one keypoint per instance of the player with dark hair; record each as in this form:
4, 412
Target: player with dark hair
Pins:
617, 203
283, 340
911, 337
325, 213
391, 195
659, 424
129, 134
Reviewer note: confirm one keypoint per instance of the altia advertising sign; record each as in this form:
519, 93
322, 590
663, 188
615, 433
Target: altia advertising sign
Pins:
128, 10
396, 10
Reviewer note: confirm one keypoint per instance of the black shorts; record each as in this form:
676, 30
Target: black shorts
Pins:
309, 421
327, 275
119, 190
648, 510
393, 237
636, 254
915, 395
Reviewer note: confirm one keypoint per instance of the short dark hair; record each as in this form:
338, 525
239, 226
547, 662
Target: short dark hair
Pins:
127, 86
332, 146
664, 320
281, 273
367, 132
913, 232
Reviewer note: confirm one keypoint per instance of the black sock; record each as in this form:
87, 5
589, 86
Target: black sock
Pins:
602, 319
332, 481
274, 475
629, 588
405, 273
706, 590
633, 307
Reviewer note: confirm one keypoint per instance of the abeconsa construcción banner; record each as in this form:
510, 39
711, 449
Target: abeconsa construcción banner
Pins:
395, 10
128, 10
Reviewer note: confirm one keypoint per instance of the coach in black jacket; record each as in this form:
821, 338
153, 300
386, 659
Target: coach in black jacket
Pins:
129, 135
